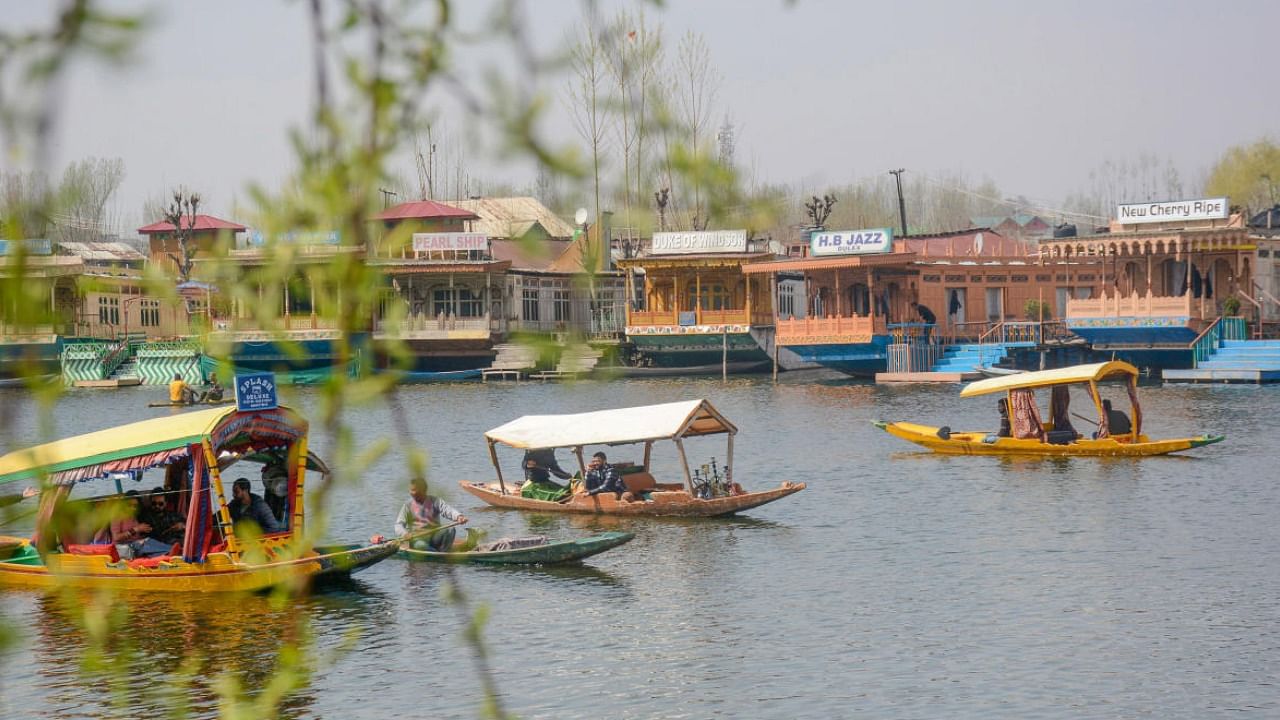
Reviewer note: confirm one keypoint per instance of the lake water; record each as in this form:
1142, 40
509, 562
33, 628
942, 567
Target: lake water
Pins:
899, 584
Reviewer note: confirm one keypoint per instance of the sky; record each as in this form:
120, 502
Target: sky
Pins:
1031, 95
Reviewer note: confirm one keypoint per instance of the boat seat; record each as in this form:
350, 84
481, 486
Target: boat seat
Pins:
108, 549
150, 562
639, 482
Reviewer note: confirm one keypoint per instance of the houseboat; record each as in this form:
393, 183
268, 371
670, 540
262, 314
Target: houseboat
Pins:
698, 307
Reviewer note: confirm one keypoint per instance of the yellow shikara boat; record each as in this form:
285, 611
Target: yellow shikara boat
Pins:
189, 454
1043, 438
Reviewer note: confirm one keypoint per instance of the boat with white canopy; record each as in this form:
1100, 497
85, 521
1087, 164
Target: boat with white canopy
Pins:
705, 492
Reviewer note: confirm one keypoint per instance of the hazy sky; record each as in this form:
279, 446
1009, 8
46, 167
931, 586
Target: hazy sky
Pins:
1032, 95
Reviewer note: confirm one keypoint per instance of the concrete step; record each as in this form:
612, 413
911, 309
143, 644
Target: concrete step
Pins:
1251, 343
1221, 376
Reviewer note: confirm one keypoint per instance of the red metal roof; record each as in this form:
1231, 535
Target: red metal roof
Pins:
424, 210
203, 222
829, 262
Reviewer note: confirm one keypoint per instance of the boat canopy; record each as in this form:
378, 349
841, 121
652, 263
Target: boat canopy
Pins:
613, 427
1095, 372
149, 443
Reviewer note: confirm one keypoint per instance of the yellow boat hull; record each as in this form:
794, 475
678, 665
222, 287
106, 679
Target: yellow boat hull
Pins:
974, 443
218, 573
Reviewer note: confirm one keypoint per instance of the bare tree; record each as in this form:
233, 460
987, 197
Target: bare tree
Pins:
181, 214
819, 210
633, 58
23, 197
661, 198
86, 188
697, 85
589, 111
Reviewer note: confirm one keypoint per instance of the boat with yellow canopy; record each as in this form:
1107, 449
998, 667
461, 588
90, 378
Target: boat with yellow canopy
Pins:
1026, 434
188, 455
708, 492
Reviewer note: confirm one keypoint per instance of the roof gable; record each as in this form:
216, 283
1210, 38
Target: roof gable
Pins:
202, 222
424, 210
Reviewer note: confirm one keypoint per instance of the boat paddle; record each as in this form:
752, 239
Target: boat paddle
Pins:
1088, 420
409, 537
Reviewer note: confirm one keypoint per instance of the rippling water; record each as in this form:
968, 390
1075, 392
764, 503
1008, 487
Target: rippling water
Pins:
899, 584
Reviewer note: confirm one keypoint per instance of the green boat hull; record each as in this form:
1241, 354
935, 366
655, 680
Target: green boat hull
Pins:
555, 552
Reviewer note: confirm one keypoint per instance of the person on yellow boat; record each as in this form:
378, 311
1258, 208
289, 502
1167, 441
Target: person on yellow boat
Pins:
1117, 422
247, 506
180, 391
15, 499
130, 532
422, 512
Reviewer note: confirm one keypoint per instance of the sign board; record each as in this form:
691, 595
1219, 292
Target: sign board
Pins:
693, 242
312, 237
426, 242
30, 247
688, 318
852, 242
256, 392
1173, 211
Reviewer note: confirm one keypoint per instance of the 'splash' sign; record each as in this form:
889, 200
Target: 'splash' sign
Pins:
256, 391
852, 242
1173, 211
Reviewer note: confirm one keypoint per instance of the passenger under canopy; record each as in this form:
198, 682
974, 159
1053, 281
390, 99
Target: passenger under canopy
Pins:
1088, 375
199, 444
643, 424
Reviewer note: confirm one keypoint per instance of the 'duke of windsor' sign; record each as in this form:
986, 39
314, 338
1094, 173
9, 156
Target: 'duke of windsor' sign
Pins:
1173, 211
693, 242
852, 242
256, 392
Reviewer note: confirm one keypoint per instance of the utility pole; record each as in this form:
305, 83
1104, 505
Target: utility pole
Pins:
902, 206
386, 196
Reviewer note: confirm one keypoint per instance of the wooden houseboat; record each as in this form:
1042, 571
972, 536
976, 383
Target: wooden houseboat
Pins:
698, 307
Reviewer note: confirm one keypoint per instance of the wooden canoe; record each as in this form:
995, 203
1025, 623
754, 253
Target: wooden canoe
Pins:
664, 503
553, 552
22, 567
974, 443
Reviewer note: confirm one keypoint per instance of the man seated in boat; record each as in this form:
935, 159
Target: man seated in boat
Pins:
180, 391
539, 466
275, 489
132, 535
1117, 422
167, 525
1003, 408
603, 478
214, 393
420, 513
247, 506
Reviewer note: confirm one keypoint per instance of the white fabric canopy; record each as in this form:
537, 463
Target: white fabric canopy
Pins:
611, 427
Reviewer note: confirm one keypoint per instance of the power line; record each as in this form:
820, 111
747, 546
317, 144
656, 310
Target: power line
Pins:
1004, 201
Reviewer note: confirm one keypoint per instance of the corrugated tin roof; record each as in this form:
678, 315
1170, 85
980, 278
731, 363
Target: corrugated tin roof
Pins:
513, 217
424, 210
540, 255
101, 251
203, 222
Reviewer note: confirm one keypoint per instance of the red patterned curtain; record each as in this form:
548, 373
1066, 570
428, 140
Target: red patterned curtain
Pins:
199, 535
1025, 416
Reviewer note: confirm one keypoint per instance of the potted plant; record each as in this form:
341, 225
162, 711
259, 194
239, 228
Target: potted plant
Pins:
1231, 306
1037, 310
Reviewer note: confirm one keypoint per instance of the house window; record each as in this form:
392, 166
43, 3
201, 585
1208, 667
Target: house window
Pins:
459, 302
562, 304
530, 304
714, 297
108, 311
150, 313
786, 301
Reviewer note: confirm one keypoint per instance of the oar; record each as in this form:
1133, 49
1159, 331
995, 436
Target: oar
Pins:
1088, 420
408, 537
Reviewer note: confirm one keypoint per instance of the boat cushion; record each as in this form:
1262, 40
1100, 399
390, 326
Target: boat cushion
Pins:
639, 482
1060, 437
108, 549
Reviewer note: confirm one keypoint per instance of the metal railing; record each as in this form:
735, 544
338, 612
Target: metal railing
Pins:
913, 347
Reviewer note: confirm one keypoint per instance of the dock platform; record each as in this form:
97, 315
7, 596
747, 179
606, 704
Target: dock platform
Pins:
885, 378
509, 374
1222, 375
109, 382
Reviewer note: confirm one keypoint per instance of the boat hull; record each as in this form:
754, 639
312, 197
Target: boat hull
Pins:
664, 503
218, 573
555, 552
972, 443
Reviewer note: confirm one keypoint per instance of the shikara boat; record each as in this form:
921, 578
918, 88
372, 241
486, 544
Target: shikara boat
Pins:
408, 377
1046, 439
542, 554
698, 496
189, 455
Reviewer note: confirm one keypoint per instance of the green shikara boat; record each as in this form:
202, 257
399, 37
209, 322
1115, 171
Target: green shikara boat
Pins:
545, 554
